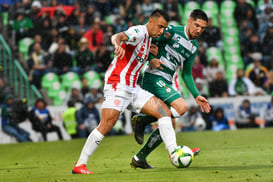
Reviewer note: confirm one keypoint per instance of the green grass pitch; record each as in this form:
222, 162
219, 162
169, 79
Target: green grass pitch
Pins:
226, 156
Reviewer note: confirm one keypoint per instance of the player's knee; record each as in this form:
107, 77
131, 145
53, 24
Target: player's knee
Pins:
177, 112
106, 126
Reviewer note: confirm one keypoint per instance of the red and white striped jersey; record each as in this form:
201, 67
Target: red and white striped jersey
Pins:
126, 71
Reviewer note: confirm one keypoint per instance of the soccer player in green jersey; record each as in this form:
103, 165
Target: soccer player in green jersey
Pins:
176, 46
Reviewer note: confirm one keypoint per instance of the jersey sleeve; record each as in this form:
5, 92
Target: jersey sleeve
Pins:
187, 76
134, 34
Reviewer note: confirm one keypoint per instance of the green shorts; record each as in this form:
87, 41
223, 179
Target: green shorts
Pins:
160, 88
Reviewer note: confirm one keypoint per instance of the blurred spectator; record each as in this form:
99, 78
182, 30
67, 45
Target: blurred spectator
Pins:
55, 45
147, 7
263, 29
258, 74
38, 63
27, 6
4, 91
87, 118
251, 47
219, 120
197, 69
61, 61
267, 43
241, 85
9, 126
95, 93
264, 5
244, 36
74, 95
33, 15
211, 36
58, 13
218, 87
264, 15
73, 18
268, 114
41, 119
103, 7
85, 88
128, 9
103, 59
6, 5
90, 15
212, 69
81, 27
72, 39
69, 119
62, 25
244, 117
139, 19
84, 57
37, 39
22, 26
202, 54
172, 8
242, 10
17, 6
51, 38
201, 86
119, 25
192, 121
53, 3
95, 36
107, 38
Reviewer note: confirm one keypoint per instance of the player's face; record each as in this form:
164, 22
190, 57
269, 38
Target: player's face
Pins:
195, 27
157, 26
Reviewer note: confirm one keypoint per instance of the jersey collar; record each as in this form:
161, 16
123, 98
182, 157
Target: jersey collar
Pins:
186, 33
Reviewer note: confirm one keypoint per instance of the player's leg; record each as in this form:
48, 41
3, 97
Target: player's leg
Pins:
163, 90
108, 120
111, 108
157, 108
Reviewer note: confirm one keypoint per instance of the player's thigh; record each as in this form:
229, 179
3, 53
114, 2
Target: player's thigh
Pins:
161, 89
179, 105
156, 107
145, 102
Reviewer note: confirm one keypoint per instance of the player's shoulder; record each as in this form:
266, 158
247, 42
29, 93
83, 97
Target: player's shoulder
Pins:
138, 29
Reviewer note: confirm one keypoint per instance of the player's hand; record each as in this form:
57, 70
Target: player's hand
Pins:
119, 52
203, 103
156, 63
153, 49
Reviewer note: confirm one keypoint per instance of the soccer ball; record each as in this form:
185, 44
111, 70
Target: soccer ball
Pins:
182, 157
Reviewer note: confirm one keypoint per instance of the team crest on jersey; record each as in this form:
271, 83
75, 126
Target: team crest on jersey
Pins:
117, 102
167, 35
168, 90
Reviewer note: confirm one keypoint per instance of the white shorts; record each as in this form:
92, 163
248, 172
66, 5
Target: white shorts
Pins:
124, 97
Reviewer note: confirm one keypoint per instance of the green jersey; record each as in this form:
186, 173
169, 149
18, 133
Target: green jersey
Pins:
175, 49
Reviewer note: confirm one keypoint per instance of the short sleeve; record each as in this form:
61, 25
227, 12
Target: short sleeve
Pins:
135, 35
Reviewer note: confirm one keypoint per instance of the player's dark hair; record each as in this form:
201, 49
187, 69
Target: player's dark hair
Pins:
159, 13
199, 14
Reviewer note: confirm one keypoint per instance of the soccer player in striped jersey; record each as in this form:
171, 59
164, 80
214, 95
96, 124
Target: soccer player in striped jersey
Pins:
121, 91
176, 46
